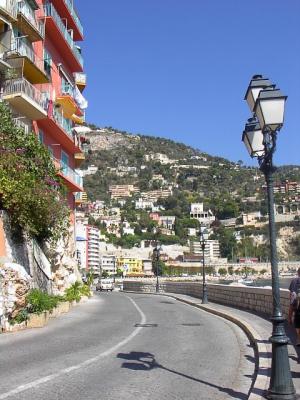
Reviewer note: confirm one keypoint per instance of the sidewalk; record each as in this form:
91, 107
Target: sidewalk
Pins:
258, 329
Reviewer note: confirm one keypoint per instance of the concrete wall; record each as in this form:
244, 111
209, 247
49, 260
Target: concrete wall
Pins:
249, 298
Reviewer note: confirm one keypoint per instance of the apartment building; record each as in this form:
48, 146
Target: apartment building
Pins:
42, 79
121, 191
108, 264
211, 250
130, 266
93, 249
154, 195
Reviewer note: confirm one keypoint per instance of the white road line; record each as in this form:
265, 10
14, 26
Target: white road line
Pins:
90, 361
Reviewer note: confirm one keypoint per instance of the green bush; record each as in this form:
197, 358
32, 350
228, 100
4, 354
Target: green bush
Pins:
21, 317
73, 293
85, 290
39, 301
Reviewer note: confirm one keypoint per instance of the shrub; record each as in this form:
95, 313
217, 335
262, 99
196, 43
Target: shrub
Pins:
85, 290
39, 301
21, 317
222, 271
73, 293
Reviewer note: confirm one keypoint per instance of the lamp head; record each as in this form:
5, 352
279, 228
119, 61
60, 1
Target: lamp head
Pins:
257, 83
269, 109
253, 138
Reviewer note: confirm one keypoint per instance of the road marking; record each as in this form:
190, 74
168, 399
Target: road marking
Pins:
90, 361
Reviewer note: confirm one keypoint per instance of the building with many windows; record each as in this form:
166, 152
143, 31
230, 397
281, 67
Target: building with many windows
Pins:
211, 250
42, 79
108, 264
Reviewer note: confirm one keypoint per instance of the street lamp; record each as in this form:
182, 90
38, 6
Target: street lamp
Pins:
203, 233
259, 136
156, 256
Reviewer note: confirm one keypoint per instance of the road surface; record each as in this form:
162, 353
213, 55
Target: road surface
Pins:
128, 347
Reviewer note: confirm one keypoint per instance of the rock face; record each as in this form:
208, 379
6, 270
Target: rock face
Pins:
64, 264
15, 283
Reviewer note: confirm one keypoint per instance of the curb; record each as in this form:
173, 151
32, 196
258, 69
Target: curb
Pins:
261, 350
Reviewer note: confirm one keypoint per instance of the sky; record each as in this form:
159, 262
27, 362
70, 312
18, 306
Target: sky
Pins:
179, 69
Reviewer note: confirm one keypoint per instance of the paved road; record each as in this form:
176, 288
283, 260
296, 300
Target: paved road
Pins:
131, 347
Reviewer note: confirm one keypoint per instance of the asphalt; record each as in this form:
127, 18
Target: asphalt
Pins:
258, 328
129, 346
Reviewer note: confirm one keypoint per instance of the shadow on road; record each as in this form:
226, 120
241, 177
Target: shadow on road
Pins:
140, 361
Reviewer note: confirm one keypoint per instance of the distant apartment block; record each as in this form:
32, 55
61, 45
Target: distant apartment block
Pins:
211, 251
154, 195
286, 187
198, 212
93, 249
122, 191
142, 204
108, 264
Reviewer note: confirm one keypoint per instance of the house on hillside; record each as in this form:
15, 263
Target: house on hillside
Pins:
204, 217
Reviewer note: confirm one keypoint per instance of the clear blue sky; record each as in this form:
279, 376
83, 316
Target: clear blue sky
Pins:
180, 68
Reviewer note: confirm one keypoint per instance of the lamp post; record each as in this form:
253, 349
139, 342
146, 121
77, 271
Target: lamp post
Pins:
203, 233
259, 136
156, 255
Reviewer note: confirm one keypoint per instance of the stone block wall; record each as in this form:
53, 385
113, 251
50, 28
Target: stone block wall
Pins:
245, 297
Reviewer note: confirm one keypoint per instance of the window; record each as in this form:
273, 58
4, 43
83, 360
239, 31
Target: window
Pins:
47, 63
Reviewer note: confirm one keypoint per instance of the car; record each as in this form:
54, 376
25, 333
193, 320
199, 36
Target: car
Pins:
105, 284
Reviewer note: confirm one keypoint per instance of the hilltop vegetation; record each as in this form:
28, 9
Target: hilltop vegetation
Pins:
149, 163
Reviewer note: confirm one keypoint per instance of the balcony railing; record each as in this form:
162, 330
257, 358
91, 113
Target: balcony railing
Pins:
9, 7
67, 89
71, 174
28, 13
63, 123
50, 11
74, 15
21, 47
21, 124
21, 85
80, 78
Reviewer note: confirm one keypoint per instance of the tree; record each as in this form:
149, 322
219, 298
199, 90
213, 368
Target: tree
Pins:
104, 274
30, 189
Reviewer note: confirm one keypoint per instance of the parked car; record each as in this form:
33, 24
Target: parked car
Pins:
105, 284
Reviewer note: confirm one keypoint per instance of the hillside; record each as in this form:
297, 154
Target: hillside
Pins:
189, 169
166, 176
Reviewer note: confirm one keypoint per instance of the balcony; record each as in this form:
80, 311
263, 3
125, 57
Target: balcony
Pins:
32, 66
69, 105
28, 24
79, 158
80, 80
66, 10
22, 125
61, 130
8, 8
60, 36
73, 181
25, 98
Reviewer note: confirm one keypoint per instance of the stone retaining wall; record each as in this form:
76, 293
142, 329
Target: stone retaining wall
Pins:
249, 298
